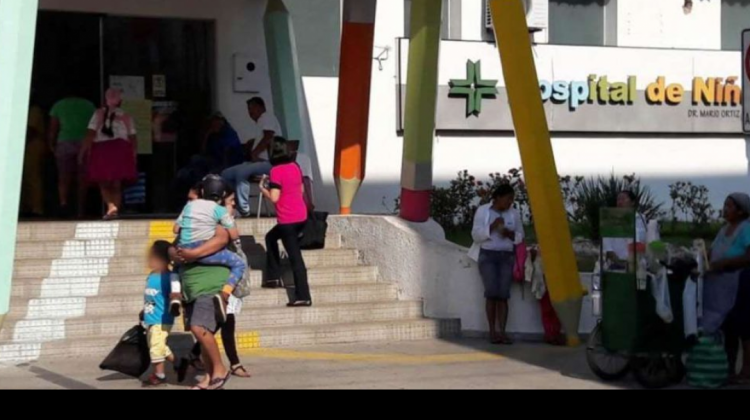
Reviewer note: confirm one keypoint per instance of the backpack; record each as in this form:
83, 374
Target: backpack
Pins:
243, 288
315, 232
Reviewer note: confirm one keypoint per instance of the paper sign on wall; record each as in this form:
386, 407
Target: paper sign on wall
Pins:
159, 83
140, 111
132, 87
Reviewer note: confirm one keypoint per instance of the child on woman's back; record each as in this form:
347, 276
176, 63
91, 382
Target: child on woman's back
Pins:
197, 224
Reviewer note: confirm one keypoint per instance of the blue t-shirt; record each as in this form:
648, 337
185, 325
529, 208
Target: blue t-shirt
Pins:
740, 242
199, 220
156, 300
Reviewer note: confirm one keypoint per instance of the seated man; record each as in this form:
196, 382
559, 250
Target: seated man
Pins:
256, 164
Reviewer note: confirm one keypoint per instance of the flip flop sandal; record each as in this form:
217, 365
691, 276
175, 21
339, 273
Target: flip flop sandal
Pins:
109, 217
198, 388
219, 383
236, 372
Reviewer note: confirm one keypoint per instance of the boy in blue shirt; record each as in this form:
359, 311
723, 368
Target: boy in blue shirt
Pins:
156, 318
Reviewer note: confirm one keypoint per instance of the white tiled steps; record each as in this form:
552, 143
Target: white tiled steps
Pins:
134, 284
63, 231
78, 287
296, 336
109, 248
72, 307
252, 319
102, 267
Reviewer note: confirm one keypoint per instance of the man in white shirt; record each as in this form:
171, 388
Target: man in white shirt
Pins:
256, 150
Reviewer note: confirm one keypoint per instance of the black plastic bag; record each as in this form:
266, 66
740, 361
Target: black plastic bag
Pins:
316, 229
131, 355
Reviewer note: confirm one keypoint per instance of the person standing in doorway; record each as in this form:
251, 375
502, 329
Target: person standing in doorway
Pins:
32, 186
286, 190
497, 230
68, 124
111, 151
256, 151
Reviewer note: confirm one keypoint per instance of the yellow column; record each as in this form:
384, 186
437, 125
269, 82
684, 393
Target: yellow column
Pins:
534, 142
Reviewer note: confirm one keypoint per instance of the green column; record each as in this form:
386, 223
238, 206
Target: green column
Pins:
17, 32
421, 105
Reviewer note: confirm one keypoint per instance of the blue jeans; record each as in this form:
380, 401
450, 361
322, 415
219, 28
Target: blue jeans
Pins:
224, 258
238, 177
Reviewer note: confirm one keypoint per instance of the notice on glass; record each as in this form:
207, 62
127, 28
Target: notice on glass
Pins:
132, 87
141, 112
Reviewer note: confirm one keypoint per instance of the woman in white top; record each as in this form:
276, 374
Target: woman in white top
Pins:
110, 152
497, 230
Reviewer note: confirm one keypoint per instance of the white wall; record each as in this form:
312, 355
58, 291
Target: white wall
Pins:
663, 24
418, 259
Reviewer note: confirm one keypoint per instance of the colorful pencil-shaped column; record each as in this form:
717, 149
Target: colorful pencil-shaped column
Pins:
17, 33
283, 65
355, 77
532, 132
421, 102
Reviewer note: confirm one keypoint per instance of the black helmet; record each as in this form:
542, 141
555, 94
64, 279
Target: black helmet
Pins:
213, 188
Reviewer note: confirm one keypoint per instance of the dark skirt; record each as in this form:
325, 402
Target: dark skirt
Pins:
738, 321
112, 161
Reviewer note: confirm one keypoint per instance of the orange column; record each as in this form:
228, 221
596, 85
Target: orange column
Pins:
355, 76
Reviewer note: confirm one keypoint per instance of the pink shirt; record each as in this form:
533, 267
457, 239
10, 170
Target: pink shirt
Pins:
291, 207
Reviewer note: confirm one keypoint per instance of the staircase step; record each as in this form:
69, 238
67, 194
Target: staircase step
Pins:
101, 267
297, 336
61, 231
100, 306
134, 285
251, 319
114, 248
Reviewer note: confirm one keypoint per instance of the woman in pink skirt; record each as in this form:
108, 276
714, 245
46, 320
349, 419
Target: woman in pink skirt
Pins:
111, 151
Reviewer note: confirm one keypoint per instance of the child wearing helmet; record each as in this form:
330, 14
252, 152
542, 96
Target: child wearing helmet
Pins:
197, 224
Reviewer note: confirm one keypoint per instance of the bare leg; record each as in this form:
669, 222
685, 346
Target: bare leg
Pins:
64, 181
211, 355
117, 195
492, 319
83, 189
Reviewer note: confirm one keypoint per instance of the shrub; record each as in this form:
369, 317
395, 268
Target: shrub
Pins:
592, 194
691, 202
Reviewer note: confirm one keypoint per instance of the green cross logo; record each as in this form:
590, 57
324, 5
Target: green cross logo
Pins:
473, 88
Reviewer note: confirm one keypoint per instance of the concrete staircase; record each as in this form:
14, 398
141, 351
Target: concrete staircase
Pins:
77, 287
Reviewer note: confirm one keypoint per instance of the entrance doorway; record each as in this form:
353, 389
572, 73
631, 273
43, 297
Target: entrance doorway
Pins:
166, 69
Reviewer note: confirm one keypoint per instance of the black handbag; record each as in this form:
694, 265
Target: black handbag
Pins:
131, 355
315, 231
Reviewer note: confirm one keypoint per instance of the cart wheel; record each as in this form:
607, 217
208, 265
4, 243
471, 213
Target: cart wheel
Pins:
607, 365
656, 372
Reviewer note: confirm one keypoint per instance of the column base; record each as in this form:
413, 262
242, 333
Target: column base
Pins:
569, 312
415, 205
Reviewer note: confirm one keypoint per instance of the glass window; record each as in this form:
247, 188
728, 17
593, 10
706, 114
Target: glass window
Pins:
735, 18
577, 22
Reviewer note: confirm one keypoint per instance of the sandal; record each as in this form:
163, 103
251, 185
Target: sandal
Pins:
240, 372
198, 388
218, 384
111, 216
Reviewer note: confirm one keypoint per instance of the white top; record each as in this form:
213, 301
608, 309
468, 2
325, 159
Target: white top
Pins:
122, 127
619, 246
256, 130
494, 241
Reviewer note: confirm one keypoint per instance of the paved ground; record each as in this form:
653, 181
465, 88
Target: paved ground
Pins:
462, 364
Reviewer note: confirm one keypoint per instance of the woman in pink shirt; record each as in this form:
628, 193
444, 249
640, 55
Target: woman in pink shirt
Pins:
286, 190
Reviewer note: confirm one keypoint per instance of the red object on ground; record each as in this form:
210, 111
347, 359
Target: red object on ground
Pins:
550, 321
